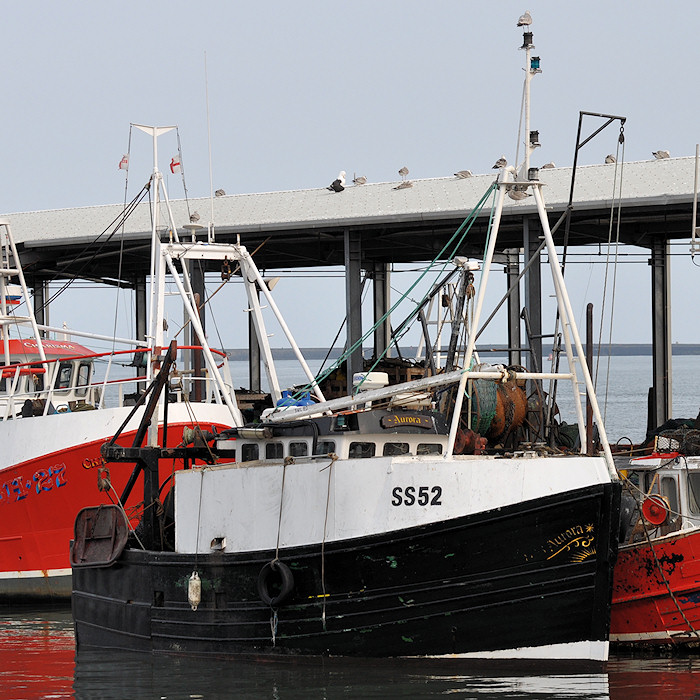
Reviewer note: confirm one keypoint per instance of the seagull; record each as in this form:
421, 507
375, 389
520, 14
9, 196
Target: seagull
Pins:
660, 155
219, 193
525, 19
518, 195
194, 217
403, 172
405, 184
462, 174
610, 158
500, 163
360, 180
548, 165
338, 185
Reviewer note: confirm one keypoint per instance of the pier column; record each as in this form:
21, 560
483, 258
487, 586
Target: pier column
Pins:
533, 295
512, 270
382, 300
40, 291
660, 406
255, 383
140, 307
198, 289
353, 303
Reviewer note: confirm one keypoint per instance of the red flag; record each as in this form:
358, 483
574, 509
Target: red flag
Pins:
175, 166
124, 163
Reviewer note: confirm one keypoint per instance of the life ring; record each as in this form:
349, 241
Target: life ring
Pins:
655, 509
286, 583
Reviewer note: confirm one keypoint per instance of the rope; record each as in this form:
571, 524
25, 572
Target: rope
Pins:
618, 194
287, 461
333, 457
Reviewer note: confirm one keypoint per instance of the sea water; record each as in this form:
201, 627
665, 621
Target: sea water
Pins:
38, 660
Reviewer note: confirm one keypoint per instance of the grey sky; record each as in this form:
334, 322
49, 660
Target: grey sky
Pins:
300, 90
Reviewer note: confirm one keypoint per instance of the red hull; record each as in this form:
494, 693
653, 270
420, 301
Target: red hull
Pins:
643, 610
39, 500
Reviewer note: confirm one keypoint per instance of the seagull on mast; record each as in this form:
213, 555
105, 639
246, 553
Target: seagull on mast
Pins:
500, 163
525, 19
338, 185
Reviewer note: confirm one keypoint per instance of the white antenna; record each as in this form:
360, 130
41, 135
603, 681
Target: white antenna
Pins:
210, 228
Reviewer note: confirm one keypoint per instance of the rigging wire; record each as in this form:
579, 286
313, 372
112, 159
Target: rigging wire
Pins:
616, 193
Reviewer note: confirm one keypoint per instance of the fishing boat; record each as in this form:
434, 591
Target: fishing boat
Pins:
349, 527
55, 413
656, 590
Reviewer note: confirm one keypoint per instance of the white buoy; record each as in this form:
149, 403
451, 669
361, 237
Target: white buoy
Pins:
194, 590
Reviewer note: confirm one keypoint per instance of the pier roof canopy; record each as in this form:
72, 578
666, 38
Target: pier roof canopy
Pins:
305, 228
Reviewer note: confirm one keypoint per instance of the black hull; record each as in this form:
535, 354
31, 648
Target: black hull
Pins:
520, 576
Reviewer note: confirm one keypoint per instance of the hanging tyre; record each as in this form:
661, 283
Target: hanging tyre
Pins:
275, 583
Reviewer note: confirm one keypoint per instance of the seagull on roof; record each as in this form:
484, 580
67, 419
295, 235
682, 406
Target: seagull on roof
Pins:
610, 158
462, 174
338, 185
404, 185
360, 180
219, 193
660, 155
548, 165
194, 217
500, 163
403, 172
525, 19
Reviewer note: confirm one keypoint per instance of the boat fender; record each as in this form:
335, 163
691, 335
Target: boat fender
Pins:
655, 509
194, 590
264, 580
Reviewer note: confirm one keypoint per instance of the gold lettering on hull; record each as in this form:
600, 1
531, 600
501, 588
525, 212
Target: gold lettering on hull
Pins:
576, 544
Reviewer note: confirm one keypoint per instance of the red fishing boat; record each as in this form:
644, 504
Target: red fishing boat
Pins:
656, 589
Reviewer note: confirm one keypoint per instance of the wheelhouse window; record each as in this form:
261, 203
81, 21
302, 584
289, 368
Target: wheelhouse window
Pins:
84, 370
694, 492
395, 448
298, 449
249, 452
274, 450
324, 447
429, 448
63, 377
361, 450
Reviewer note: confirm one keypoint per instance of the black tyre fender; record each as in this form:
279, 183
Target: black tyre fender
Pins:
275, 568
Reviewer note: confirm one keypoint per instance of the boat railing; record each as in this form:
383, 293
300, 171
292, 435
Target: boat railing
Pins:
107, 391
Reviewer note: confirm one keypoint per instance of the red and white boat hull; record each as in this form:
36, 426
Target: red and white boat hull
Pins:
48, 472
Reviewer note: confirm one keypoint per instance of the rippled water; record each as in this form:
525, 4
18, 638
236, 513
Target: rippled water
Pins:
37, 660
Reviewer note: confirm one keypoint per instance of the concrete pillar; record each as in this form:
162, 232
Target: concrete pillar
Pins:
253, 357
198, 289
41, 312
382, 301
512, 271
533, 295
353, 303
660, 405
